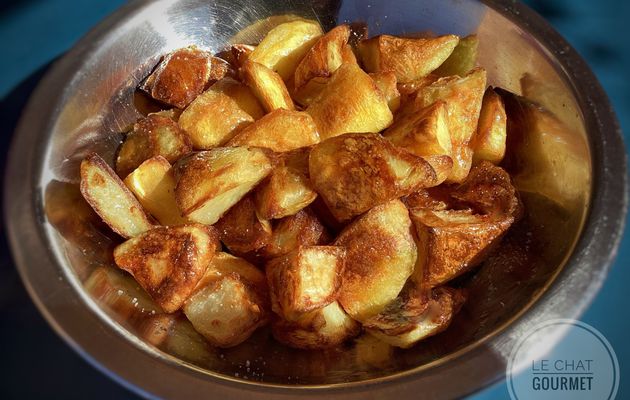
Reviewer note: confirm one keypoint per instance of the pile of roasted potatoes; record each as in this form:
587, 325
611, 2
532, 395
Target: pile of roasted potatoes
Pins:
326, 184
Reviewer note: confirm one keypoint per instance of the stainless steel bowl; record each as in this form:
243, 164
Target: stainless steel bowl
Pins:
576, 202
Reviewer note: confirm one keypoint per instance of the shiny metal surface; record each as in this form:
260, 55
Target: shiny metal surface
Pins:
570, 168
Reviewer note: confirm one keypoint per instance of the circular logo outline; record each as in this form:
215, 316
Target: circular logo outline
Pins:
570, 323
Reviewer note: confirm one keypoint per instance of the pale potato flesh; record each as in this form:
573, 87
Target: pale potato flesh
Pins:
490, 140
388, 85
154, 186
463, 58
110, 198
267, 85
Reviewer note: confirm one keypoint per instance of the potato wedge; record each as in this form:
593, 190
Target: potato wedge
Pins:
409, 90
182, 75
398, 316
350, 102
153, 184
217, 114
489, 141
242, 230
155, 135
280, 130
184, 342
327, 327
300, 229
267, 85
355, 172
380, 256
236, 54
110, 198
285, 46
288, 189
210, 182
304, 280
228, 305
326, 55
463, 97
443, 305
409, 59
463, 58
168, 262
309, 92
386, 82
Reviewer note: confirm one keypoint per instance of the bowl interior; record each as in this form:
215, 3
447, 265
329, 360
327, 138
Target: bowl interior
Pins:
552, 169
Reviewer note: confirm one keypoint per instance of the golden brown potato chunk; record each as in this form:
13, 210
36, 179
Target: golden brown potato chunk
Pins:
217, 114
489, 141
153, 184
182, 75
326, 327
463, 97
242, 230
280, 130
304, 280
168, 262
326, 55
301, 229
402, 329
380, 256
463, 58
285, 46
155, 135
185, 342
408, 307
355, 172
387, 84
110, 198
309, 92
350, 102
288, 189
210, 182
267, 85
409, 59
229, 303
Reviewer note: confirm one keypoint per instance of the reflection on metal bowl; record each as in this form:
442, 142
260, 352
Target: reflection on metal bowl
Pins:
566, 159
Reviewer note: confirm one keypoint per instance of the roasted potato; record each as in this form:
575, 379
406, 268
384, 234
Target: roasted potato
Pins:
350, 102
285, 46
169, 261
210, 182
463, 58
409, 90
300, 229
229, 303
355, 172
182, 75
217, 114
186, 343
236, 54
288, 189
304, 280
489, 141
409, 59
380, 256
120, 294
110, 198
153, 185
327, 327
463, 97
404, 330
267, 85
326, 55
386, 82
407, 308
280, 130
242, 230
309, 92
155, 135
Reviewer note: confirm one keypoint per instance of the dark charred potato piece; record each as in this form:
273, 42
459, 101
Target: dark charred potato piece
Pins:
110, 198
355, 172
230, 302
409, 59
400, 328
153, 135
301, 229
380, 256
182, 75
168, 262
327, 327
304, 280
242, 230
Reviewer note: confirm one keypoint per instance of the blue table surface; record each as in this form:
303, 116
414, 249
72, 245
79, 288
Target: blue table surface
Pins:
36, 364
